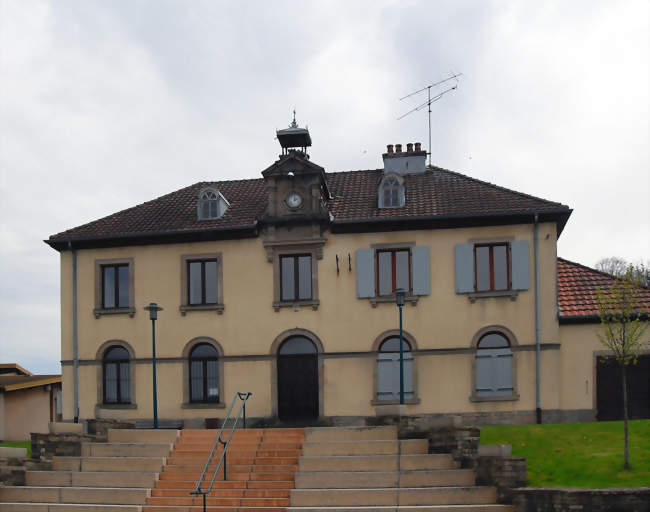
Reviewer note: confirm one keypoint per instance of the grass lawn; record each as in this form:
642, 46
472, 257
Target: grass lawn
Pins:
19, 444
588, 455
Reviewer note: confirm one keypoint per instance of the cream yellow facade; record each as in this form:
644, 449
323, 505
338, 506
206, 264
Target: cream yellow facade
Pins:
443, 324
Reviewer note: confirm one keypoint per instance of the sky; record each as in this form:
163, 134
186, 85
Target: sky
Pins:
107, 104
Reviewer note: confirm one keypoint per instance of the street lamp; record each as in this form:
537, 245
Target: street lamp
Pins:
153, 309
399, 300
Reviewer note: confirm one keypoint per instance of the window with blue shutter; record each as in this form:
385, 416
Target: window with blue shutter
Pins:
491, 267
381, 271
388, 371
493, 366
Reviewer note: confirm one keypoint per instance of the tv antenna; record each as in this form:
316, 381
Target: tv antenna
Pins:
431, 100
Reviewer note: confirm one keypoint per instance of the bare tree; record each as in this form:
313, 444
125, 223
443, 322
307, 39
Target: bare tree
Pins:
612, 265
619, 267
624, 325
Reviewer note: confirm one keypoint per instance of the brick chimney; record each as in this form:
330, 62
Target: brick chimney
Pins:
412, 161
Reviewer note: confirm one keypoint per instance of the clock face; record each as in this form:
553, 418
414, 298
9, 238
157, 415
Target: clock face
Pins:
294, 200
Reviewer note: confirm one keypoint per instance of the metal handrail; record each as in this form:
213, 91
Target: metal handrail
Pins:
218, 441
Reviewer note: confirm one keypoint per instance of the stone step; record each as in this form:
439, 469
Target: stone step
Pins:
324, 448
232, 459
85, 495
374, 479
180, 501
351, 434
393, 496
188, 485
131, 435
404, 508
225, 493
376, 462
68, 507
238, 452
131, 464
90, 479
126, 449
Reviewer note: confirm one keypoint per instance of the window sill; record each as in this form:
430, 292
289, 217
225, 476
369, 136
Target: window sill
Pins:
117, 406
407, 401
491, 294
202, 307
413, 299
296, 304
116, 311
203, 405
496, 398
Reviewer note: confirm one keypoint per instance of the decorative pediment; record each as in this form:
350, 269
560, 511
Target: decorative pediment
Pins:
294, 163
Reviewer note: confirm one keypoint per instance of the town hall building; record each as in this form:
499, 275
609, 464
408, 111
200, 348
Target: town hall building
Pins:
285, 286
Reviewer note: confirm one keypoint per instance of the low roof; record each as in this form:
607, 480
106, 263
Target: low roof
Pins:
577, 289
16, 382
436, 198
13, 369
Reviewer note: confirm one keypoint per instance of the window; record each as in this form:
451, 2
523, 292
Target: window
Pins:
201, 283
391, 192
204, 374
295, 277
388, 370
492, 267
115, 286
114, 292
384, 268
211, 204
494, 375
393, 270
117, 376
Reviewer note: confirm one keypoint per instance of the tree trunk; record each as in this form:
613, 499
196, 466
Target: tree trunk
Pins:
625, 416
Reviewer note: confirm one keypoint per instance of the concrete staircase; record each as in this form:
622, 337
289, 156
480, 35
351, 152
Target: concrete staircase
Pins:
368, 469
360, 469
116, 476
261, 465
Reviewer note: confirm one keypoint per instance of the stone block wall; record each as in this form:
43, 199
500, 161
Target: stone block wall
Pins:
505, 473
582, 500
46, 446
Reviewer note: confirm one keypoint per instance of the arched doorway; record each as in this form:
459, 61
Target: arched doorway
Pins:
297, 379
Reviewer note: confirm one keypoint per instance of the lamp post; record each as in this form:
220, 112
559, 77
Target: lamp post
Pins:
399, 300
153, 309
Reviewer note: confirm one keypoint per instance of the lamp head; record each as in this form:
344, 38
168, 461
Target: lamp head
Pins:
153, 309
400, 293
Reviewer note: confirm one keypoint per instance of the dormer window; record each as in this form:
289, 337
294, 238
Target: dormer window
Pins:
391, 191
211, 204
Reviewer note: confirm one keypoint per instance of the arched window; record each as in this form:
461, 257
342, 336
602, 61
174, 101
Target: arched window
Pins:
204, 374
117, 376
388, 370
211, 204
391, 191
493, 366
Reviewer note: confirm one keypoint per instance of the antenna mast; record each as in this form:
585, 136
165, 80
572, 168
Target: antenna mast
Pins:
430, 100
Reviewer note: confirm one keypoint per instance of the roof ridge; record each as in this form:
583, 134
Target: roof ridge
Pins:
499, 187
595, 270
119, 212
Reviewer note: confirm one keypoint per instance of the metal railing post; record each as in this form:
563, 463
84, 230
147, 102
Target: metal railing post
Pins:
225, 465
204, 507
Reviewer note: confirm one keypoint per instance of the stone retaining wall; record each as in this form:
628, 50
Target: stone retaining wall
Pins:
505, 473
582, 500
46, 446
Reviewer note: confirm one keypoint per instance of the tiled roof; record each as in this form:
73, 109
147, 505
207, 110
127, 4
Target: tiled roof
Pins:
437, 193
577, 288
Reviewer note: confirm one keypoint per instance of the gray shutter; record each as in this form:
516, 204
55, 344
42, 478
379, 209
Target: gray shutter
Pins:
421, 270
483, 373
464, 261
408, 376
365, 263
520, 267
385, 377
503, 364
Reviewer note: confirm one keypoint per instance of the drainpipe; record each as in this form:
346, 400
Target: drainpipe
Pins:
75, 334
538, 355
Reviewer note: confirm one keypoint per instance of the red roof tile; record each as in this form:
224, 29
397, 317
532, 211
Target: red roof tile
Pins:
437, 193
577, 288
